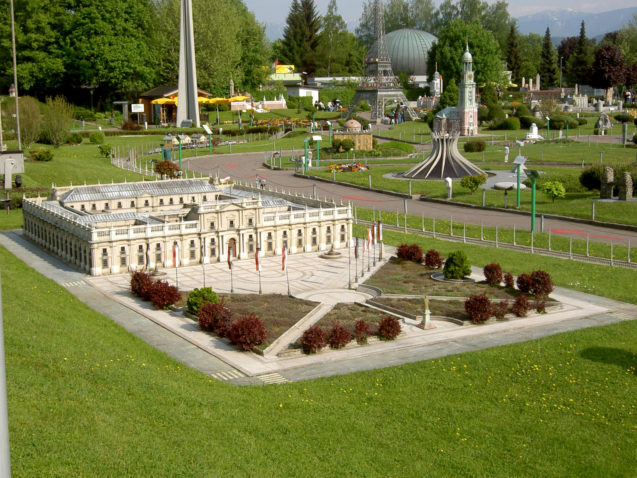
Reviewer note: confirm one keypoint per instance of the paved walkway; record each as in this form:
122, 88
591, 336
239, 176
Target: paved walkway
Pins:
180, 337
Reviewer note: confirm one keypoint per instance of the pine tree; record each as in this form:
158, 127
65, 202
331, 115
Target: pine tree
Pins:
548, 66
579, 64
301, 36
514, 58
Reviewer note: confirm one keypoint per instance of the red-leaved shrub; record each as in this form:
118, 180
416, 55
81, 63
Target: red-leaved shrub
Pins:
411, 253
493, 274
216, 318
500, 309
163, 295
247, 332
362, 330
540, 304
521, 306
508, 280
313, 340
389, 328
524, 283
140, 284
339, 336
478, 307
433, 259
541, 284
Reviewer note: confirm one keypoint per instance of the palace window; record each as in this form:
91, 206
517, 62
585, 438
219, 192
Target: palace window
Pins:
181, 200
250, 244
161, 201
193, 250
104, 258
212, 225
158, 253
140, 255
171, 201
93, 207
122, 257
250, 222
146, 203
314, 236
132, 204
299, 238
285, 239
106, 207
269, 242
343, 233
119, 204
231, 224
213, 247
328, 235
205, 198
82, 207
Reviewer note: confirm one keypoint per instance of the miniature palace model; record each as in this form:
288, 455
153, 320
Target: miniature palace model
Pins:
114, 228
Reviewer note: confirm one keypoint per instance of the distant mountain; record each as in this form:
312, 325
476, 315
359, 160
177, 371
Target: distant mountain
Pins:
566, 23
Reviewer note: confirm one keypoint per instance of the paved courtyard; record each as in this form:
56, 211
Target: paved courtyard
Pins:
313, 278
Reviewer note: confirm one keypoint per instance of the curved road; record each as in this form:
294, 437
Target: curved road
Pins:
246, 166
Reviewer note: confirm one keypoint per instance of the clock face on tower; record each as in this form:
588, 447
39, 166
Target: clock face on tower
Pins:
470, 77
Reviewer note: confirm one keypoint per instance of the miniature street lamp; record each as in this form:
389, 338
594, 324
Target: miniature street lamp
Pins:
519, 161
318, 139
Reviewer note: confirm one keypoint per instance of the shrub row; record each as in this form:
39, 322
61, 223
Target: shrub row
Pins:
480, 308
246, 332
160, 293
315, 338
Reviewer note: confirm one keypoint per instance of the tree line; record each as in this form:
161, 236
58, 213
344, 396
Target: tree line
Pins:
119, 49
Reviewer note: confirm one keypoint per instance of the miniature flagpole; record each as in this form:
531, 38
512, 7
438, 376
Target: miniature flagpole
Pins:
203, 264
356, 261
230, 267
176, 261
256, 260
374, 242
380, 240
285, 268
362, 257
369, 244
349, 264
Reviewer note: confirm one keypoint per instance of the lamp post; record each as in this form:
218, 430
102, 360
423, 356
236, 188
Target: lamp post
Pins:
15, 79
532, 175
329, 125
548, 128
318, 140
305, 143
519, 161
179, 139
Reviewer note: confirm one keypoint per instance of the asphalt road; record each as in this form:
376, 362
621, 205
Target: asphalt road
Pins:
246, 166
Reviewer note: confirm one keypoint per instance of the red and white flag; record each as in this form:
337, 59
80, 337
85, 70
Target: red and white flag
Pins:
230, 251
380, 231
256, 260
373, 234
369, 237
284, 258
176, 254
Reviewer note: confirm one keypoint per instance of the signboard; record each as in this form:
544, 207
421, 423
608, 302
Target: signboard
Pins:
137, 108
207, 129
520, 160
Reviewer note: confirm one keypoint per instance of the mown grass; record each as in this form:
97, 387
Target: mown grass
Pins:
576, 204
88, 399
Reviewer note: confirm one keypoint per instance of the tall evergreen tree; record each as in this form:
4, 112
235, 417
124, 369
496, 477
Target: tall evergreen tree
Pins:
301, 36
579, 63
514, 58
548, 66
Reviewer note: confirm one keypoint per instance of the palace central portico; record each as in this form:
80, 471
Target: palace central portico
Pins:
114, 228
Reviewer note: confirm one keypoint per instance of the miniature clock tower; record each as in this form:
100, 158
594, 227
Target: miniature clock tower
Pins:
467, 107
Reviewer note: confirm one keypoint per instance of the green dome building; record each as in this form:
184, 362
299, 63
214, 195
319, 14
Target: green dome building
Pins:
409, 49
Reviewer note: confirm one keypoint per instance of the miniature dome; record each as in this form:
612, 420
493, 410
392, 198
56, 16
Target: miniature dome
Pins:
353, 126
408, 50
467, 56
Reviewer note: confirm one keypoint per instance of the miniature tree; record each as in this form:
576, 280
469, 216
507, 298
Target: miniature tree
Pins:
457, 265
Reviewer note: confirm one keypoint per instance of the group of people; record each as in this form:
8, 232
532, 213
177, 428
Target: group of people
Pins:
331, 106
397, 115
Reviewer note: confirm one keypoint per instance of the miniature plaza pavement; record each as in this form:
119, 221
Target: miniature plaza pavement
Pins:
311, 278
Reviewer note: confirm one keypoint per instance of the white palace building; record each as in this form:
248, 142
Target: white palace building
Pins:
115, 228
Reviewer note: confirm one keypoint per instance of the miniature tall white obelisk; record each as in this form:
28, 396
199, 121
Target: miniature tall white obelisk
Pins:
187, 106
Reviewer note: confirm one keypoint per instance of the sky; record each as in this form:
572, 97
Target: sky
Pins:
275, 11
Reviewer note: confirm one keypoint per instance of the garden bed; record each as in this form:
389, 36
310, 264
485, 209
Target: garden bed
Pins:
348, 314
405, 277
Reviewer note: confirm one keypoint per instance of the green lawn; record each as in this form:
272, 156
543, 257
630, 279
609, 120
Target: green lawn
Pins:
576, 204
88, 399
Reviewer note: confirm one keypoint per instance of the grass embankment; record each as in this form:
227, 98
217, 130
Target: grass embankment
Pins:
88, 399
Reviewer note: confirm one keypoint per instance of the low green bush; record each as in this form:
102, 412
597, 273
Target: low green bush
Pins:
511, 123
473, 182
475, 146
105, 150
457, 265
527, 121
347, 145
97, 137
522, 110
74, 138
582, 121
44, 155
199, 297
623, 118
